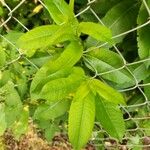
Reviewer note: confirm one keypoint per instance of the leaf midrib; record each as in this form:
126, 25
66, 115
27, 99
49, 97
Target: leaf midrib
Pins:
122, 15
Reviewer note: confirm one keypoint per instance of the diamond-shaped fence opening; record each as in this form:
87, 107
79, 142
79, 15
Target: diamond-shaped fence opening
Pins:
138, 136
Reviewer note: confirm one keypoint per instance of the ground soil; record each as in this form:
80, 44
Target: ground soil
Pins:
34, 141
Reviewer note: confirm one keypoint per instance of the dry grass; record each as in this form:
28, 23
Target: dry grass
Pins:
34, 141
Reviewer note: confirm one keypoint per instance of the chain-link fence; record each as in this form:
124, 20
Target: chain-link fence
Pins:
140, 140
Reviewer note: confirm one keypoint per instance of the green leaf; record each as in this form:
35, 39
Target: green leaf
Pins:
141, 72
49, 127
21, 125
71, 4
135, 100
96, 31
143, 34
60, 88
4, 77
2, 57
1, 11
36, 38
42, 77
102, 60
59, 10
12, 96
44, 36
122, 17
13, 36
50, 132
147, 87
102, 7
58, 68
41, 60
22, 87
81, 117
107, 55
106, 92
52, 110
13, 104
3, 124
110, 117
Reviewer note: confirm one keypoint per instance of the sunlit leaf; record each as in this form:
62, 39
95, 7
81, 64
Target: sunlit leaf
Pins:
58, 68
43, 36
96, 31
106, 92
59, 10
81, 117
60, 88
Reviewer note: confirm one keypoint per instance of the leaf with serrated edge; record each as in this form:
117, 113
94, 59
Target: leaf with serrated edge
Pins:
43, 36
60, 88
121, 18
110, 117
96, 31
81, 117
59, 10
106, 92
58, 68
103, 60
143, 34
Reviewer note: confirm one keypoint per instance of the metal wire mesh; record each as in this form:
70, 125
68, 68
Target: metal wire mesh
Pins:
146, 104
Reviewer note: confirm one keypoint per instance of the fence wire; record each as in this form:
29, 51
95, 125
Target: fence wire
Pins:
130, 133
